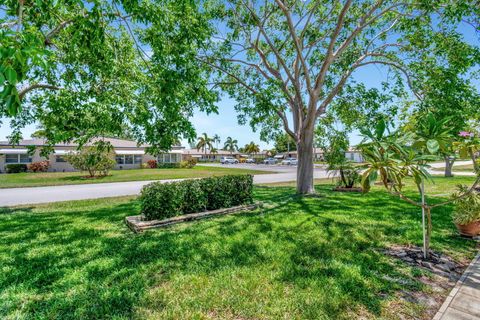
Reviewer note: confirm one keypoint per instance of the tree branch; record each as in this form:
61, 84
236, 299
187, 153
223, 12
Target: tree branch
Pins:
26, 90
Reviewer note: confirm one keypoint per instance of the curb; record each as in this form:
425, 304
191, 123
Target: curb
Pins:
457, 287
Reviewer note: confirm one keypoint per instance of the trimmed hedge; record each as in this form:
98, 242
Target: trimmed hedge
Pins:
16, 168
165, 200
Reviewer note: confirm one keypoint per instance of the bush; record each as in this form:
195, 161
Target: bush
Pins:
40, 166
174, 165
188, 164
152, 164
16, 168
467, 209
164, 200
94, 159
347, 173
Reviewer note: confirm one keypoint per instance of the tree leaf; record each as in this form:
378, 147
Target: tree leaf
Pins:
432, 146
11, 75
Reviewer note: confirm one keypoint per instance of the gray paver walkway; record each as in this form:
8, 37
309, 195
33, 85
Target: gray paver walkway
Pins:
463, 302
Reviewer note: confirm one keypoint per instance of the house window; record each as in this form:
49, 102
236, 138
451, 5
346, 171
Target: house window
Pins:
128, 159
168, 158
18, 158
60, 159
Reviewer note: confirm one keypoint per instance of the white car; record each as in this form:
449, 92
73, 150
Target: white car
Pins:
250, 160
270, 161
290, 162
228, 160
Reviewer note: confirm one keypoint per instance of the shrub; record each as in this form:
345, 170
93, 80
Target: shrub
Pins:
93, 160
164, 200
467, 209
347, 173
16, 168
188, 164
152, 164
40, 166
169, 165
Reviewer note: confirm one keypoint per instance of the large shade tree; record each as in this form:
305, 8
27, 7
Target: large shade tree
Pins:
287, 62
92, 68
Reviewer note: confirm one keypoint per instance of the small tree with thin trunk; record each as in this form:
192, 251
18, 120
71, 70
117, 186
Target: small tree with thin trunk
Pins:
399, 156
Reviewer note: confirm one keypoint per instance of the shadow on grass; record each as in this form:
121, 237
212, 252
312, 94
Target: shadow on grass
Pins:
81, 261
10, 210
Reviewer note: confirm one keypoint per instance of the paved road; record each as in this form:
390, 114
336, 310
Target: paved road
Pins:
22, 196
455, 173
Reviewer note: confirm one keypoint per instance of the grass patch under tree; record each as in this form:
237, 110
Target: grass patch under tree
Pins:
311, 258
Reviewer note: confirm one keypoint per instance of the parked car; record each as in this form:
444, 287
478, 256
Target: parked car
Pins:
290, 162
270, 161
250, 160
228, 160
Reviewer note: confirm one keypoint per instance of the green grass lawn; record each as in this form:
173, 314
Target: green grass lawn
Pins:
296, 258
16, 180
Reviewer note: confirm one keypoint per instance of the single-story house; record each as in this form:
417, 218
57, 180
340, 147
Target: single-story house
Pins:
128, 154
352, 154
208, 156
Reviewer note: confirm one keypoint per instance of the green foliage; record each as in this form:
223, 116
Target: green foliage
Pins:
467, 208
284, 142
334, 144
94, 159
16, 168
88, 69
189, 163
346, 172
174, 165
165, 200
204, 142
251, 148
231, 145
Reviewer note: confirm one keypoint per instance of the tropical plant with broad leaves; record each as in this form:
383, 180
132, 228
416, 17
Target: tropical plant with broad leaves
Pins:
346, 172
395, 157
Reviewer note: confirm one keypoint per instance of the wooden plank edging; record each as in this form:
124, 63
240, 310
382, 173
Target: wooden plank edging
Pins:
137, 224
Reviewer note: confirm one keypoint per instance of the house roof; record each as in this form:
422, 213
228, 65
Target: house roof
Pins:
116, 143
201, 152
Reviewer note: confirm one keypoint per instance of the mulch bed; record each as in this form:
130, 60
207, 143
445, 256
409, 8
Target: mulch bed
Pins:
439, 264
343, 189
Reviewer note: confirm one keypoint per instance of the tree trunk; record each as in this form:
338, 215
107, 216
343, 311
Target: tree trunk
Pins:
305, 163
429, 231
448, 166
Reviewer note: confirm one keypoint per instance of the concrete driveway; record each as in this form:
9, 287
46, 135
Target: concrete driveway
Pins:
34, 195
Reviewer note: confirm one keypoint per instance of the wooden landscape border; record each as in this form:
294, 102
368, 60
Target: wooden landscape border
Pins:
138, 224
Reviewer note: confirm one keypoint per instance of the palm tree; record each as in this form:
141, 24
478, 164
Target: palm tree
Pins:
216, 140
252, 148
204, 143
230, 145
